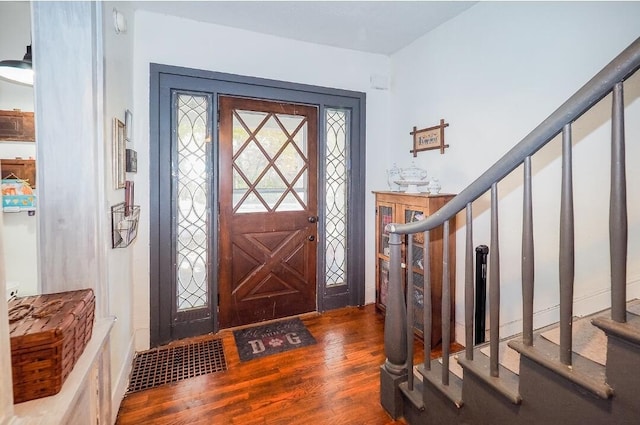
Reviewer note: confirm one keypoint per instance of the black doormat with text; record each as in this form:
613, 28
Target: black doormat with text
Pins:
276, 337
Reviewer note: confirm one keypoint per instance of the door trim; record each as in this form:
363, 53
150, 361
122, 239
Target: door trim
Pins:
162, 79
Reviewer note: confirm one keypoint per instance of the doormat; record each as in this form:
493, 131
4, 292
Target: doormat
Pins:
277, 337
160, 366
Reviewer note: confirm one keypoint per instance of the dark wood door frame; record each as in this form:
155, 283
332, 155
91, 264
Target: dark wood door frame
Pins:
163, 80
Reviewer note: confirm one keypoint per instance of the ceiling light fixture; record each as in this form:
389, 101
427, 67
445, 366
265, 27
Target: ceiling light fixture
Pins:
18, 71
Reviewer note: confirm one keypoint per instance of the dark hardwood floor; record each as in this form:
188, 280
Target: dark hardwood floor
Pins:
335, 381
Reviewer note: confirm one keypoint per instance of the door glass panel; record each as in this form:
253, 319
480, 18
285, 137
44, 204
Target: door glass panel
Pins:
385, 215
291, 122
269, 162
418, 302
191, 183
336, 196
383, 267
290, 163
271, 137
252, 163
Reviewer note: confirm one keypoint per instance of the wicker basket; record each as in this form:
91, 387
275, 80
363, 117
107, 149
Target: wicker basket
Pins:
48, 335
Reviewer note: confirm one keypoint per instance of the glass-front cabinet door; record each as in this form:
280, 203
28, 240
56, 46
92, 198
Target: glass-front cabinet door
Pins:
397, 207
385, 214
411, 214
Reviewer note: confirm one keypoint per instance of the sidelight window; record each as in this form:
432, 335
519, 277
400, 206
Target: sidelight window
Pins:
337, 131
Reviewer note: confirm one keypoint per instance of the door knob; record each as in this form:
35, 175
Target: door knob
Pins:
312, 238
313, 219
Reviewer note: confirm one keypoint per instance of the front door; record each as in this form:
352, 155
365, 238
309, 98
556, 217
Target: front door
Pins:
268, 210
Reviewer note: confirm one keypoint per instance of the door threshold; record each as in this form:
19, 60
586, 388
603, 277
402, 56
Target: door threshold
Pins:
301, 316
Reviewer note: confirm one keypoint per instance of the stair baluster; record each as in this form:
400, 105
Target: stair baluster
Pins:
567, 249
494, 285
527, 257
410, 295
618, 209
469, 295
427, 301
446, 305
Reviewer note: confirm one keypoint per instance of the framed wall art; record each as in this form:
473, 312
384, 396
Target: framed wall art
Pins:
118, 154
128, 125
429, 138
131, 161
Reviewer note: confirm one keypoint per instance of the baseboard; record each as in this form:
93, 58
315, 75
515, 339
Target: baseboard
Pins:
583, 306
120, 388
142, 338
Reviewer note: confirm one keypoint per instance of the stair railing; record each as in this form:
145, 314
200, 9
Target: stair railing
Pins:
398, 324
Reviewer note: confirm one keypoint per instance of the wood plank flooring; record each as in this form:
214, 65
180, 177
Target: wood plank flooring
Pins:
335, 381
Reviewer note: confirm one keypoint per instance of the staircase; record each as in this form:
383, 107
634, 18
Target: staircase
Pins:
577, 371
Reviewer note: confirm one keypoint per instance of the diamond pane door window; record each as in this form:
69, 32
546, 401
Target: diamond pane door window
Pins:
269, 162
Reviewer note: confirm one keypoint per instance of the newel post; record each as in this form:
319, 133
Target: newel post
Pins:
394, 370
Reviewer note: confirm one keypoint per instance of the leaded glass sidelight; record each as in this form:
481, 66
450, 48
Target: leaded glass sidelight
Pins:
191, 183
337, 123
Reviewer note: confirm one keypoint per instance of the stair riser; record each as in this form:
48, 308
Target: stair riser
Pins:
484, 406
550, 398
623, 374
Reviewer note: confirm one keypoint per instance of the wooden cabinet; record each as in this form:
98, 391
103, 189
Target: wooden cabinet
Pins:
398, 207
17, 126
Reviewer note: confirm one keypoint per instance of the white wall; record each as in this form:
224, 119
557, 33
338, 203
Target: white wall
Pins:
173, 41
118, 66
19, 229
15, 36
494, 73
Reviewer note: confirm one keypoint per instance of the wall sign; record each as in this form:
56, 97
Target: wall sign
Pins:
429, 138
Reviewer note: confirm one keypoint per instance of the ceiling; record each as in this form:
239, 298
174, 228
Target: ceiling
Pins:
371, 26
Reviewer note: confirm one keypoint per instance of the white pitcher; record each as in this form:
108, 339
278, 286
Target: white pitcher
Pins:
393, 174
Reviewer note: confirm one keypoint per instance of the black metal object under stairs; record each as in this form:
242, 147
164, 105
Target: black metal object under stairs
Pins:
553, 382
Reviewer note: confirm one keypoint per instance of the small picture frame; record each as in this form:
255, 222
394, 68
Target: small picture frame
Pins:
128, 125
429, 138
131, 161
128, 197
118, 159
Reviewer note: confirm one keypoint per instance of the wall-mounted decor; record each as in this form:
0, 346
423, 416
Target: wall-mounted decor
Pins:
118, 154
24, 169
124, 224
17, 195
128, 125
128, 197
17, 126
429, 138
132, 161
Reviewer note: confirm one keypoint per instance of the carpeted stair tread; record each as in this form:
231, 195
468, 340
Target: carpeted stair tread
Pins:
507, 357
454, 367
588, 340
634, 307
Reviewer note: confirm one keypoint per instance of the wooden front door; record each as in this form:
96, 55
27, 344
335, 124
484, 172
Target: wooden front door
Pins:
268, 210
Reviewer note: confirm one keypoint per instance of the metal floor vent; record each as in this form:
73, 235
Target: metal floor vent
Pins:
171, 364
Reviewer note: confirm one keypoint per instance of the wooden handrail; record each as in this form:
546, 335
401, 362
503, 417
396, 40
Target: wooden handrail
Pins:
623, 66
